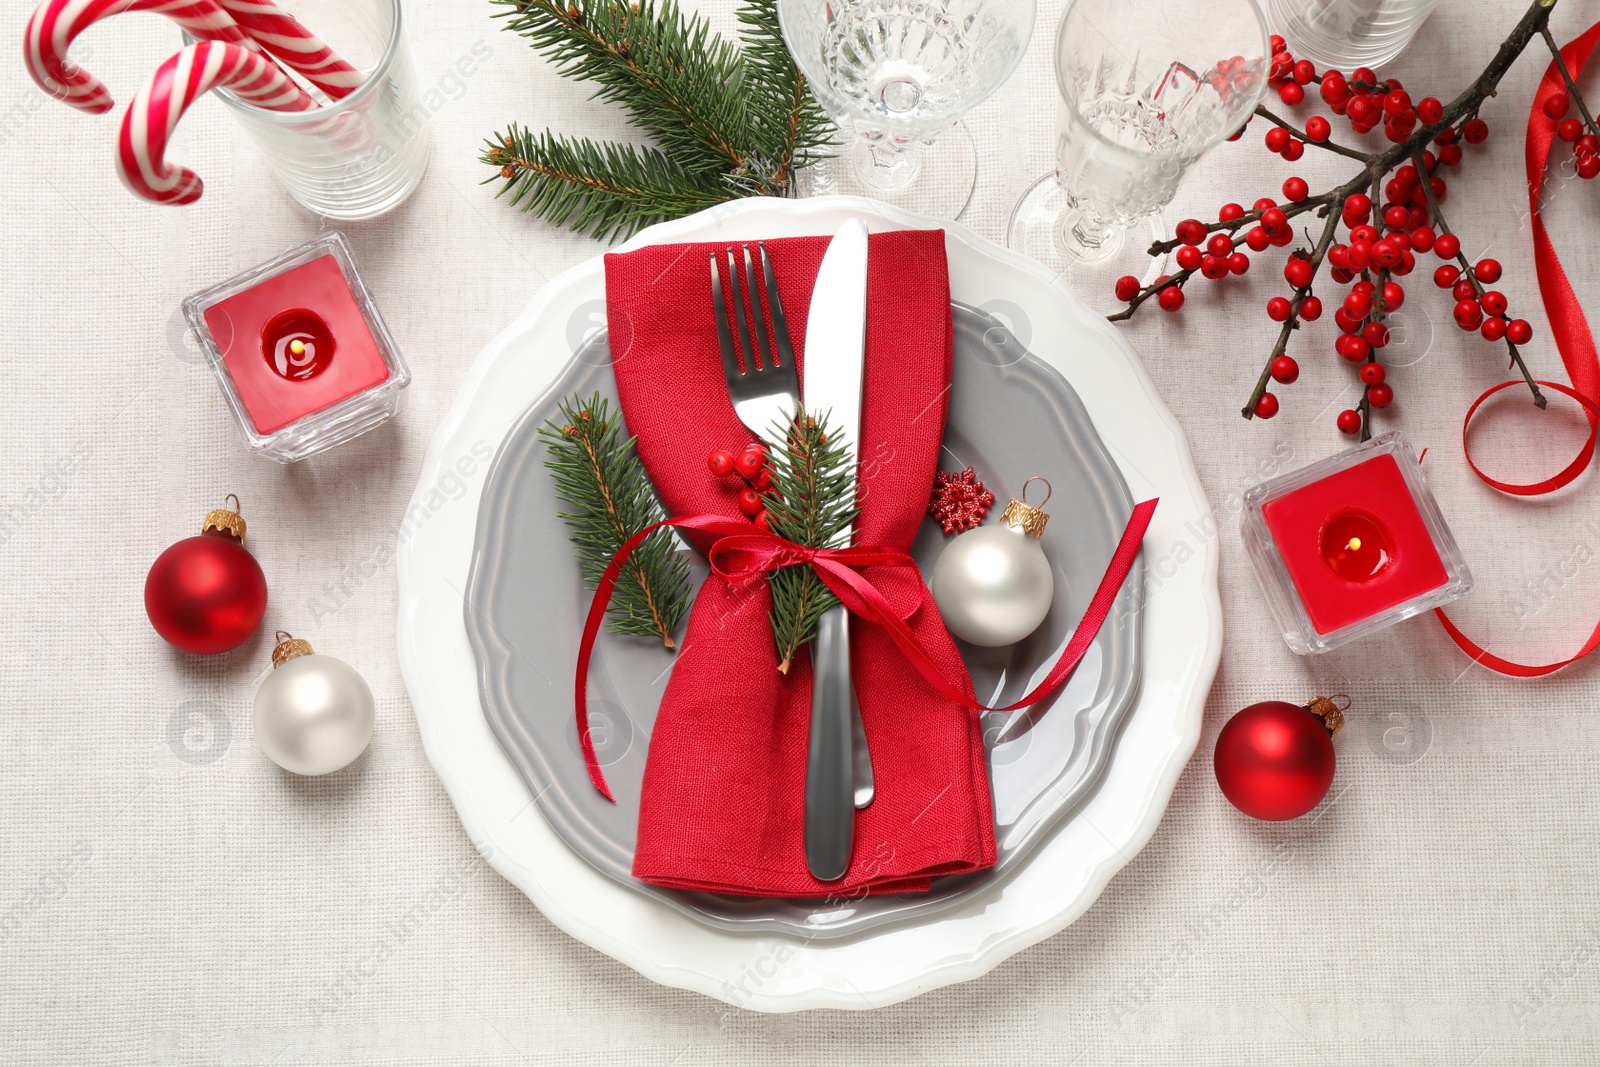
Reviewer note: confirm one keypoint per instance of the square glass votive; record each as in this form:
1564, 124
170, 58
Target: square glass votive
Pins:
300, 351
1350, 545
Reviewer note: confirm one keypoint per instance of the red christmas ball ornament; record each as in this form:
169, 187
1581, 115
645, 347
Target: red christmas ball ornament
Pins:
206, 594
1274, 760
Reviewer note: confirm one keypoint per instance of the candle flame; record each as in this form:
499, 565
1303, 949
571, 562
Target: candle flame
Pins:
297, 347
1354, 545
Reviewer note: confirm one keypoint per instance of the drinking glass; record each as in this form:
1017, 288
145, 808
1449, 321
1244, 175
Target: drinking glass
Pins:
362, 155
1345, 34
896, 75
1144, 88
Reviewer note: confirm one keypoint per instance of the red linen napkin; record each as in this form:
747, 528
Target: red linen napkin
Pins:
722, 808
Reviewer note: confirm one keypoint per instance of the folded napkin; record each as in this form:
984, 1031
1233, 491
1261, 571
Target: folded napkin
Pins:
723, 803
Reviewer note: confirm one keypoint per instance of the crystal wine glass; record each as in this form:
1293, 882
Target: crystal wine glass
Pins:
895, 75
1145, 87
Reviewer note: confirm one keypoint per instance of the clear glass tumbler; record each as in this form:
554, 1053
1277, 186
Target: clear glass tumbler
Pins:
1345, 34
896, 75
1145, 87
362, 155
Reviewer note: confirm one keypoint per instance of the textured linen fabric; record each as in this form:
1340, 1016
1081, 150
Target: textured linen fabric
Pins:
723, 801
167, 896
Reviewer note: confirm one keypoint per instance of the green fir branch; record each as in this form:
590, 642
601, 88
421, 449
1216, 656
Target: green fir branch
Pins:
676, 78
812, 502
790, 128
605, 190
598, 474
724, 121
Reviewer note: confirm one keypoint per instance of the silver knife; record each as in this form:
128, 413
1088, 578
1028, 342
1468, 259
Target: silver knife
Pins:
835, 358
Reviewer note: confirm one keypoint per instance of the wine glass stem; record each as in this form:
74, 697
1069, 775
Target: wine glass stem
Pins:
1087, 238
885, 164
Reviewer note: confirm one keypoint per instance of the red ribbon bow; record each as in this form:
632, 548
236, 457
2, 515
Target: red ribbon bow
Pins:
742, 552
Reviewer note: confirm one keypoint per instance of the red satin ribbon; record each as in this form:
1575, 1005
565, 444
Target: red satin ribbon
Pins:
1573, 340
742, 553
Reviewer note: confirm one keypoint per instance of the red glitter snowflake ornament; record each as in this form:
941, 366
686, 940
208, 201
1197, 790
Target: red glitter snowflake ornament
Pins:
959, 501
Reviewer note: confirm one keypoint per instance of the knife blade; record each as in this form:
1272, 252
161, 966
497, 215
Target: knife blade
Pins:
835, 350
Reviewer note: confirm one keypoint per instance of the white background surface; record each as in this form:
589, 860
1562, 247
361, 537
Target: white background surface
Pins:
1438, 909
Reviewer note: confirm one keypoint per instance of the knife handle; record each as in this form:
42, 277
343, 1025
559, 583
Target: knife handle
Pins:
830, 800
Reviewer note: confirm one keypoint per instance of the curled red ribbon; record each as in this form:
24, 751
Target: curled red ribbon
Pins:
1570, 330
742, 553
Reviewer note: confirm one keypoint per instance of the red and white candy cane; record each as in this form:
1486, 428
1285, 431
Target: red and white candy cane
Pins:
294, 45
176, 84
55, 23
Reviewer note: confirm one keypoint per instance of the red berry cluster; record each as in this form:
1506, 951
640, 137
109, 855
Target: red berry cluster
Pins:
1577, 132
1386, 229
751, 467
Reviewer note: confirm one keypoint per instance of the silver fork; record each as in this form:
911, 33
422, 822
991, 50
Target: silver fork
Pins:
764, 391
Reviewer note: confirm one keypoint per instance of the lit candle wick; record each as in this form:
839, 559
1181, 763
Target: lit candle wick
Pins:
1354, 545
297, 347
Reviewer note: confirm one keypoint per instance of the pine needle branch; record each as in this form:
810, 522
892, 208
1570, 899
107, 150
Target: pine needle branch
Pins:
789, 127
598, 474
812, 502
605, 190
677, 79
724, 121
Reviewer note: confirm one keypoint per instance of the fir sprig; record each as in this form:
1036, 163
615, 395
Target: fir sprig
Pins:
604, 189
726, 121
812, 502
598, 474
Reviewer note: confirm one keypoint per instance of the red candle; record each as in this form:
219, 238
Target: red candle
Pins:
301, 353
1350, 545
296, 344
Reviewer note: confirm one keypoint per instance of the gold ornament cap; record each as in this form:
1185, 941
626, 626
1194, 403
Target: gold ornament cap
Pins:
225, 520
1330, 711
288, 648
1029, 518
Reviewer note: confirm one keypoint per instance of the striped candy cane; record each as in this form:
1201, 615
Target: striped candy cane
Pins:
294, 45
176, 84
55, 23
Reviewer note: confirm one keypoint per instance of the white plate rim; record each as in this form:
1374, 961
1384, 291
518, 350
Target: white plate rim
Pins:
1182, 640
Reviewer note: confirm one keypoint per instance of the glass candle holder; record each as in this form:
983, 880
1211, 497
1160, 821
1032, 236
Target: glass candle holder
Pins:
364, 154
304, 360
1351, 545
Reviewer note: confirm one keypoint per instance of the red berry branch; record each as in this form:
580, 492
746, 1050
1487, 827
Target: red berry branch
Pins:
1390, 210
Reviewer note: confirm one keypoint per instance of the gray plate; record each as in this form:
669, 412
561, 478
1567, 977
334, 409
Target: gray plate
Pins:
1011, 416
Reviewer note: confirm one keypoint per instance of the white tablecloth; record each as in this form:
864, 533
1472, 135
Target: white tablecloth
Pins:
169, 896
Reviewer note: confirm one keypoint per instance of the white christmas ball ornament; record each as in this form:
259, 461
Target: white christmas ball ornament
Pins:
994, 585
314, 714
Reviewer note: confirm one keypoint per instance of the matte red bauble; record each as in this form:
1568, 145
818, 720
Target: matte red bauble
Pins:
206, 594
1274, 760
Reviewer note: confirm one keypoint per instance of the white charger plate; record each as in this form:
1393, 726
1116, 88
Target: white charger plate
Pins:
1182, 643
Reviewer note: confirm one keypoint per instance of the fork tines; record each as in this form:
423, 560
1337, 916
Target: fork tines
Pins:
752, 347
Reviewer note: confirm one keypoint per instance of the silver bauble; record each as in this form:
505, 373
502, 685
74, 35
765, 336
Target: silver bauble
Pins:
314, 714
994, 584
